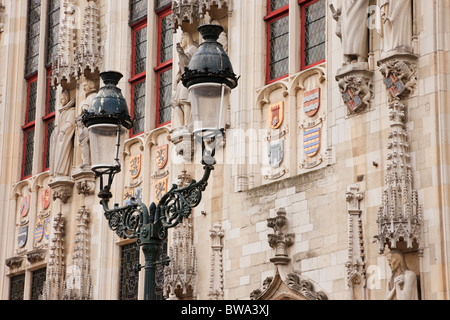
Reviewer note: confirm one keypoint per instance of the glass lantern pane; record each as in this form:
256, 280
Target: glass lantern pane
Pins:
208, 104
103, 141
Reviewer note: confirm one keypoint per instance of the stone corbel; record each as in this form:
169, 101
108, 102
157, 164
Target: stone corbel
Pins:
279, 240
14, 262
356, 87
62, 189
184, 143
399, 70
36, 255
84, 182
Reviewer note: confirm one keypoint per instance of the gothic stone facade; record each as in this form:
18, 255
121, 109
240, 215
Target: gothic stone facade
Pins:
336, 150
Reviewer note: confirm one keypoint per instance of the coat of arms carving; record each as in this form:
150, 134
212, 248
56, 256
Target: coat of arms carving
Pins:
311, 102
45, 198
311, 142
134, 167
276, 153
162, 156
276, 115
22, 236
25, 206
161, 188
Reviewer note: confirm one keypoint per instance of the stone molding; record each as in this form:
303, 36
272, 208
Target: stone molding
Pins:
216, 286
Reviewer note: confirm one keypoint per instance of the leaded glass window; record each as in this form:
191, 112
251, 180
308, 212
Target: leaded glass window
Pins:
166, 45
314, 33
28, 153
31, 103
140, 50
164, 68
16, 287
164, 97
33, 32
49, 128
160, 4
129, 274
138, 109
138, 10
279, 48
52, 29
277, 4
37, 284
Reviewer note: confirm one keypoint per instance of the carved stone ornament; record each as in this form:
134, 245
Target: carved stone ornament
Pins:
356, 87
64, 68
294, 287
180, 277
399, 70
54, 283
78, 285
400, 218
356, 264
36, 255
279, 240
89, 52
192, 11
216, 286
14, 262
62, 189
84, 182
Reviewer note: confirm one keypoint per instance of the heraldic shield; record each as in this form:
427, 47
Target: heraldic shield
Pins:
311, 102
276, 115
311, 142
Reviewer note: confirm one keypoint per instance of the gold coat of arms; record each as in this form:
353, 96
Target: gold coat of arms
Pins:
162, 156
276, 115
134, 166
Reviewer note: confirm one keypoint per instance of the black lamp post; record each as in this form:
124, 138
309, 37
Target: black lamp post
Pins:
210, 79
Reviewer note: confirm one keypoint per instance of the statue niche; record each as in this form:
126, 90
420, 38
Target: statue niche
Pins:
396, 24
61, 147
403, 282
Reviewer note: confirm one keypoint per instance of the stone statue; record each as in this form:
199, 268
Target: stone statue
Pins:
90, 90
396, 22
403, 283
180, 99
354, 31
61, 147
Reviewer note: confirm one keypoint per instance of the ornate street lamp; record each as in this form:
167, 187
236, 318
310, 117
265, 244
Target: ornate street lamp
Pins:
210, 79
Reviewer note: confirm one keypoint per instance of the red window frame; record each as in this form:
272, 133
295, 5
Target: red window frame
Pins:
270, 18
28, 126
163, 66
136, 78
47, 119
303, 5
